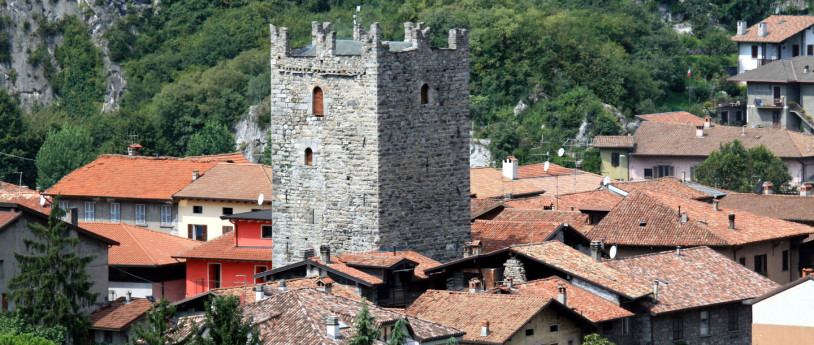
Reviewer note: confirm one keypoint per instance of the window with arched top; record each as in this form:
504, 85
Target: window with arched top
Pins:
425, 91
309, 156
318, 104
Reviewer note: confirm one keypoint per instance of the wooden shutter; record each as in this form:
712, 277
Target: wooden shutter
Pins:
189, 231
318, 105
227, 229
203, 238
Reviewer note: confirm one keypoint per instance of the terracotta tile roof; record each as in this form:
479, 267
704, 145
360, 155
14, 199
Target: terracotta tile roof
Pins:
298, 317
422, 261
592, 200
593, 307
779, 28
344, 269
23, 196
567, 184
704, 226
7, 217
234, 157
223, 248
139, 246
677, 117
575, 263
787, 207
507, 314
368, 260
234, 182
480, 206
486, 182
291, 284
538, 170
574, 218
119, 315
119, 176
614, 141
496, 235
666, 185
666, 139
699, 277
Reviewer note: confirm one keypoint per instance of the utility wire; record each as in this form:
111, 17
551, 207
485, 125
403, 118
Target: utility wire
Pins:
10, 155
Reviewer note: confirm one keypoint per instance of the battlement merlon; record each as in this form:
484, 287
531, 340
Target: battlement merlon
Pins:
323, 38
459, 39
280, 42
418, 35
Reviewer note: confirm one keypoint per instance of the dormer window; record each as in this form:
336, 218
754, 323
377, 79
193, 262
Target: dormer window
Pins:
309, 156
318, 107
425, 94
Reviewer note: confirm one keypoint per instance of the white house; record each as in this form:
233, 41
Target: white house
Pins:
785, 315
774, 38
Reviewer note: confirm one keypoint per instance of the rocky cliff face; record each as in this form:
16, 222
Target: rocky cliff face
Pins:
25, 80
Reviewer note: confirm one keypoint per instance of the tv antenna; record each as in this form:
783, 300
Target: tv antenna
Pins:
132, 138
356, 17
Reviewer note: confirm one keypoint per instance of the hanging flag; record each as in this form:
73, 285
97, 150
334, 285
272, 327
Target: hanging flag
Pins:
689, 72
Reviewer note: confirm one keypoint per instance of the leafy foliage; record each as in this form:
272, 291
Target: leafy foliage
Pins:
364, 326
224, 319
735, 168
23, 339
596, 339
53, 288
451, 341
158, 327
63, 151
213, 139
12, 323
399, 336
80, 83
15, 140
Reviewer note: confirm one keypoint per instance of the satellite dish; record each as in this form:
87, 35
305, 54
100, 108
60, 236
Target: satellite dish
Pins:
42, 200
260, 199
546, 166
560, 152
606, 181
613, 252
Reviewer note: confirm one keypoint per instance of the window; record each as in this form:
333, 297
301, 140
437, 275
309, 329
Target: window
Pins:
266, 231
742, 261
166, 215
554, 328
703, 324
5, 302
615, 159
785, 260
760, 264
260, 269
648, 173
795, 50
90, 211
227, 211
733, 318
65, 206
678, 328
2, 269
318, 104
724, 117
141, 214
214, 276
739, 116
309, 156
197, 209
693, 168
530, 332
810, 49
754, 51
108, 337
227, 229
196, 232
425, 90
115, 212
626, 325
663, 170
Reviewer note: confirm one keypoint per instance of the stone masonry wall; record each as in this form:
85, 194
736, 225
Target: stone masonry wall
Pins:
719, 327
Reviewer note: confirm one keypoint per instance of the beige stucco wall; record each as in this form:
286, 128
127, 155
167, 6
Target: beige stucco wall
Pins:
616, 173
774, 258
212, 211
568, 330
781, 335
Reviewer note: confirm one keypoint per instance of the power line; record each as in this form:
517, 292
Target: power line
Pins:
10, 155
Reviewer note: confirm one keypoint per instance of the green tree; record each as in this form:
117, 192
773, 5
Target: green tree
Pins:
62, 152
736, 168
451, 341
399, 336
157, 328
23, 339
226, 324
213, 139
364, 326
596, 339
12, 323
15, 143
53, 288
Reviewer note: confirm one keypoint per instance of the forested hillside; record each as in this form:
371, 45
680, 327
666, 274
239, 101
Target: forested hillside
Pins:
553, 69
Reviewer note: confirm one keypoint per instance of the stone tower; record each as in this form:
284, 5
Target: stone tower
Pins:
370, 143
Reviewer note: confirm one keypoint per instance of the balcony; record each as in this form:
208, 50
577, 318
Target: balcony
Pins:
770, 103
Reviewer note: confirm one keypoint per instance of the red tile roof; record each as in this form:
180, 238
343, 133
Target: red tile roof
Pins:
486, 182
779, 28
119, 315
614, 141
342, 268
7, 217
234, 157
575, 263
139, 246
496, 235
676, 117
139, 177
567, 184
666, 185
699, 277
291, 284
223, 248
422, 261
23, 196
593, 307
480, 206
592, 200
574, 218
787, 207
538, 170
233, 182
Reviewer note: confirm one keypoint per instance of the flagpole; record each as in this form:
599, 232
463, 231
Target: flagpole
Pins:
689, 86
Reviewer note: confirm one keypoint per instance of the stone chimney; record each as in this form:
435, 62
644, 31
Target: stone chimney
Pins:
707, 122
196, 174
325, 284
134, 150
484, 328
473, 248
656, 290
281, 285
325, 253
742, 27
111, 295
699, 131
510, 168
762, 29
731, 220
509, 282
258, 293
805, 189
332, 323
514, 268
715, 205
768, 187
72, 216
474, 285
683, 217
562, 296
596, 250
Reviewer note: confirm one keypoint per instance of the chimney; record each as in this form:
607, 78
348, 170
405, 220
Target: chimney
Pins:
805, 189
806, 70
484, 328
509, 282
678, 250
332, 323
741, 27
325, 253
768, 187
707, 122
134, 150
129, 296
72, 216
715, 205
683, 217
111, 296
562, 297
807, 272
699, 131
474, 285
258, 293
762, 29
195, 174
656, 290
510, 168
325, 284
281, 285
731, 220
596, 250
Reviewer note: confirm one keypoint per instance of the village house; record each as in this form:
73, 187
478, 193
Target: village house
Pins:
113, 323
773, 38
516, 181
783, 316
232, 258
133, 189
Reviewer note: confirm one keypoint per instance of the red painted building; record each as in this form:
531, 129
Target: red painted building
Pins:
233, 258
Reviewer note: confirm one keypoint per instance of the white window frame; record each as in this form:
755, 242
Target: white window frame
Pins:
115, 212
140, 214
166, 215
89, 211
65, 205
703, 322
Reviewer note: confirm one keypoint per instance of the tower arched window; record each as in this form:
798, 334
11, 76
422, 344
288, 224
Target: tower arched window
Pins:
318, 104
425, 94
309, 156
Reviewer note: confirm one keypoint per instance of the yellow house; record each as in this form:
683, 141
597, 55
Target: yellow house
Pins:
223, 190
615, 154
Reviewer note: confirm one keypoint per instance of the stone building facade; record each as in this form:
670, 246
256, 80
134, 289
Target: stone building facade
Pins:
370, 142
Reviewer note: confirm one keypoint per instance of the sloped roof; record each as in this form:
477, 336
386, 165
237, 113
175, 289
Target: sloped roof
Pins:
698, 277
783, 288
593, 307
614, 141
667, 185
23, 196
591, 200
7, 217
778, 29
787, 207
133, 177
233, 157
573, 218
368, 260
232, 182
291, 284
538, 170
486, 182
496, 235
780, 71
567, 184
17, 210
119, 315
223, 248
262, 215
678, 117
666, 139
422, 261
480, 206
139, 246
